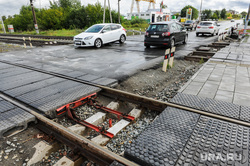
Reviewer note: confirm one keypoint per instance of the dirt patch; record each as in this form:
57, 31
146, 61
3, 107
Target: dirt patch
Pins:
18, 149
160, 85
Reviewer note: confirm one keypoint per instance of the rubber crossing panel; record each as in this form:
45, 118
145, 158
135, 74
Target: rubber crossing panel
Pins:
163, 141
213, 106
49, 104
13, 118
216, 142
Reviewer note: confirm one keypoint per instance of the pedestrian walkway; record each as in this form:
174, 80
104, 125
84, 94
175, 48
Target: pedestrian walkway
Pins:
224, 77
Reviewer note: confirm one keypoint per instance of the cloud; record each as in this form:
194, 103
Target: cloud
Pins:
12, 7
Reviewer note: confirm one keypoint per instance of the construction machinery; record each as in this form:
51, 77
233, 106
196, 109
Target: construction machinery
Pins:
151, 2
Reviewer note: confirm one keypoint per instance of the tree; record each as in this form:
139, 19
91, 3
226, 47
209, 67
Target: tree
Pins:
195, 12
4, 18
207, 13
177, 15
214, 16
223, 14
243, 14
229, 15
217, 12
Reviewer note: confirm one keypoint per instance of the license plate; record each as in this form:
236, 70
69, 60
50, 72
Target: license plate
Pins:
204, 27
77, 42
154, 36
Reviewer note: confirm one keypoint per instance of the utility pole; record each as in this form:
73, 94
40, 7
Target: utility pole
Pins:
104, 11
119, 19
200, 11
246, 20
111, 21
34, 16
3, 25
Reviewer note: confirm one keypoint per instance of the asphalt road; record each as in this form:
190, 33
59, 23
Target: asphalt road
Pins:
113, 60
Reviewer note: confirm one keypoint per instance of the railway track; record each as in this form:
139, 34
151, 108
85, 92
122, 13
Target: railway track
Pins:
34, 40
92, 149
39, 37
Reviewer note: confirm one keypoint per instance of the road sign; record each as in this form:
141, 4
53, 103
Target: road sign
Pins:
189, 14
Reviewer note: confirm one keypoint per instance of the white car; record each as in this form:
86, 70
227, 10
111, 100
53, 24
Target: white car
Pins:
100, 34
207, 27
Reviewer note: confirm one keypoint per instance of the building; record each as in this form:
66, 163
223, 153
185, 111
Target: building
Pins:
152, 15
233, 12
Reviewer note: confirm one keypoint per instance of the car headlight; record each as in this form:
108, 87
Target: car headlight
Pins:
88, 38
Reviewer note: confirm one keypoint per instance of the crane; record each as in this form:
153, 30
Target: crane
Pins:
138, 4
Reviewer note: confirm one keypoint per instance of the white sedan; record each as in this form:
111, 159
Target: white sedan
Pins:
100, 34
207, 27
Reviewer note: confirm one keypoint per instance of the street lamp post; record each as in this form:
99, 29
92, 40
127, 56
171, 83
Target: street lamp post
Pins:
200, 11
119, 19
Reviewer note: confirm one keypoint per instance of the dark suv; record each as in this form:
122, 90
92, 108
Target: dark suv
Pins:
191, 25
165, 34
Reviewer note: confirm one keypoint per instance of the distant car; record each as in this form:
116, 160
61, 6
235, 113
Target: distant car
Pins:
100, 34
165, 34
207, 27
232, 20
189, 24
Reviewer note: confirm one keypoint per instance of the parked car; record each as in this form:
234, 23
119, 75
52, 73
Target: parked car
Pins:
190, 24
207, 27
232, 20
165, 34
100, 34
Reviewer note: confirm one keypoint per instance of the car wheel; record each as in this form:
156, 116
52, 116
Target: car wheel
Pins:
197, 34
172, 43
122, 39
98, 43
185, 39
147, 46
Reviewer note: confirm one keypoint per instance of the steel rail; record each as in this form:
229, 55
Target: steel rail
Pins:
40, 36
98, 154
133, 98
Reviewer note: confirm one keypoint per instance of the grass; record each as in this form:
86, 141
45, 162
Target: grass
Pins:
65, 32
62, 32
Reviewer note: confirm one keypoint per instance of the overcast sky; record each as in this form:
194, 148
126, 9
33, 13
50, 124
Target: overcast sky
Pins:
11, 7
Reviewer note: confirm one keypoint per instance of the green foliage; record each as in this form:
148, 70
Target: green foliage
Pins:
201, 61
236, 16
68, 14
217, 12
207, 13
195, 12
177, 15
229, 15
214, 16
223, 14
243, 14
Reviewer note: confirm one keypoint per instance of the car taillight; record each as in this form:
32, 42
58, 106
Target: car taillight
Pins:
166, 34
211, 27
147, 34
124, 29
198, 27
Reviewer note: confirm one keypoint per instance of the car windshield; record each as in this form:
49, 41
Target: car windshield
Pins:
189, 21
94, 29
206, 23
158, 27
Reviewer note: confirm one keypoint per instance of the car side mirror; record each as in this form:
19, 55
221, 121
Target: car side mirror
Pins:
104, 31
